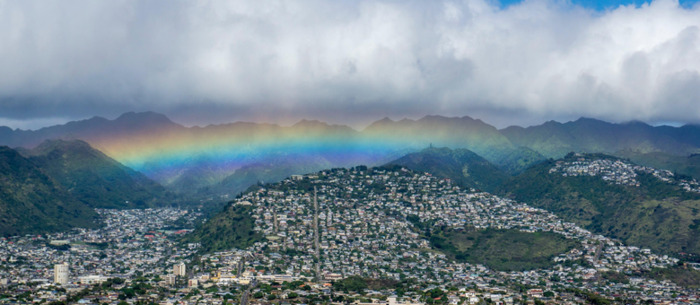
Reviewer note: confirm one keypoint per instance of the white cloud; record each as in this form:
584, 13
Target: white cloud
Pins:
350, 59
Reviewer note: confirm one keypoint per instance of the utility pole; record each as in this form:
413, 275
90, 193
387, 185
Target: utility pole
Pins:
318, 249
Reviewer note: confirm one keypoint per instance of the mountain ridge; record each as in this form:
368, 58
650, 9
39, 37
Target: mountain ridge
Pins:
175, 155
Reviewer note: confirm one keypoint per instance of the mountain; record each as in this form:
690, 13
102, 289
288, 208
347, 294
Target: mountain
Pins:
205, 161
58, 184
639, 205
33, 202
462, 166
311, 146
197, 160
455, 132
554, 140
93, 129
94, 178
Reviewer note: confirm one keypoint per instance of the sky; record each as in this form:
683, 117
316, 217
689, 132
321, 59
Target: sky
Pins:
349, 61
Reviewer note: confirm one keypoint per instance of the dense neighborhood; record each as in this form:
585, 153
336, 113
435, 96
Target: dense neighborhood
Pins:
338, 236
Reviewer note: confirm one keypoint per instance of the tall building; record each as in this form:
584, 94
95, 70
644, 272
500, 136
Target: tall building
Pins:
60, 274
170, 279
179, 269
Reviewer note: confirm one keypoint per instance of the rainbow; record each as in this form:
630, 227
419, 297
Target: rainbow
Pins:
167, 153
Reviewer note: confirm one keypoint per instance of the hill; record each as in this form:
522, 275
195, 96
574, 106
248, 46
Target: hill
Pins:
638, 205
389, 208
33, 202
58, 184
231, 228
94, 178
462, 166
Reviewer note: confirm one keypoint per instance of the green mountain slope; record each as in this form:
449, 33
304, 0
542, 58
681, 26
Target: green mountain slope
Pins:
655, 214
462, 166
231, 228
33, 202
57, 185
94, 178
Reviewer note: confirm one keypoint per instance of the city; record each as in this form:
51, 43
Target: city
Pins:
373, 152
323, 229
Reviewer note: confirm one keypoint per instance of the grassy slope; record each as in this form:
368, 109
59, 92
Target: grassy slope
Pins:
503, 250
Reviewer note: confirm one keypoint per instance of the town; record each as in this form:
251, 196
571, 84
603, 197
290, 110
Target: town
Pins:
337, 236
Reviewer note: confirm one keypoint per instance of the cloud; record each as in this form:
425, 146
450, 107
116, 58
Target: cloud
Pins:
349, 61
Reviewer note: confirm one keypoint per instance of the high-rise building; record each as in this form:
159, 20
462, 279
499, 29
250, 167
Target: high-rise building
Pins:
179, 269
60, 274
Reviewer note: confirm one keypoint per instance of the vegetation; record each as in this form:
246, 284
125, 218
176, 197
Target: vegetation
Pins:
681, 275
590, 297
683, 165
33, 202
614, 276
657, 215
55, 187
359, 284
462, 166
232, 228
501, 249
94, 178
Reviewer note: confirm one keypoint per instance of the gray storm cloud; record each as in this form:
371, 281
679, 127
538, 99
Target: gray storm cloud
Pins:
349, 60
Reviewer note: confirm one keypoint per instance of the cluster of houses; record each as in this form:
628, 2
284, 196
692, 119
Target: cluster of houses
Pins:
323, 228
619, 172
363, 230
